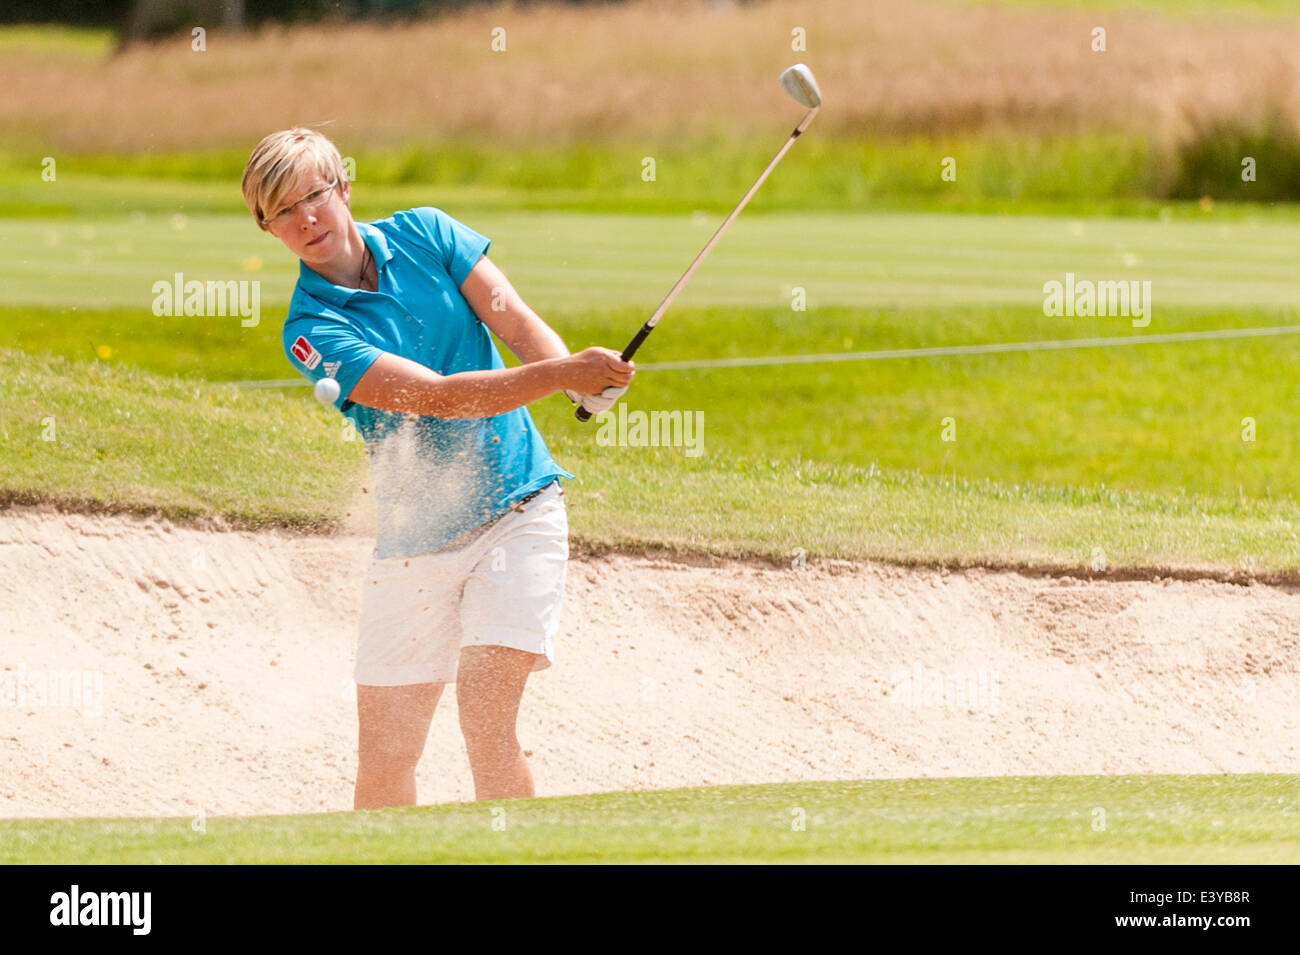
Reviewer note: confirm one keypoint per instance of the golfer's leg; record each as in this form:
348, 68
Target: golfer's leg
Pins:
393, 724
489, 685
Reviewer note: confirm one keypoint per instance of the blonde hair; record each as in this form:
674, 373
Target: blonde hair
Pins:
276, 163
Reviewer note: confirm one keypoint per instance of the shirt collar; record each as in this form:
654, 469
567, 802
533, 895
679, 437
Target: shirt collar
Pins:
313, 283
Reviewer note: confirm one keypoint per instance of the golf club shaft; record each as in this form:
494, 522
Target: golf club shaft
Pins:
582, 413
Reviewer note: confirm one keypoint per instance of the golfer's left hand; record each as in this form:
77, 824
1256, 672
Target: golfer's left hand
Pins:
595, 404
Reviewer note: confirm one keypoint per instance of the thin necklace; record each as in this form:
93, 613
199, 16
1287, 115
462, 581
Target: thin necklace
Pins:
365, 259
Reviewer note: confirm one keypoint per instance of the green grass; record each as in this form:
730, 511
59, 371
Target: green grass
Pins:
1137, 418
119, 438
1087, 173
123, 439
1138, 451
1243, 819
564, 261
827, 173
49, 39
748, 509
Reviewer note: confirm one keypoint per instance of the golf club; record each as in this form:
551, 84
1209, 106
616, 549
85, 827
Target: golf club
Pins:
798, 82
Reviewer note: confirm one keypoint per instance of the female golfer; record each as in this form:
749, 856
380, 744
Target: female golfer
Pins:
467, 575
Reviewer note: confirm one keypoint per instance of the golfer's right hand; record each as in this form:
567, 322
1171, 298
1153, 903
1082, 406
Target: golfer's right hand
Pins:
593, 370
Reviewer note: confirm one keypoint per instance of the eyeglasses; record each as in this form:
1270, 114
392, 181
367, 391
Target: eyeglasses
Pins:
313, 200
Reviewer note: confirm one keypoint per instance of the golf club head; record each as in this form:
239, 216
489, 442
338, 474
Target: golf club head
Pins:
798, 82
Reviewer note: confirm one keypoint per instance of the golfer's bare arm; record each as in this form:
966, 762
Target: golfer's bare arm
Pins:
501, 309
394, 383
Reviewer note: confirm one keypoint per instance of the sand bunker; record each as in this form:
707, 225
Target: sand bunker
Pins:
154, 669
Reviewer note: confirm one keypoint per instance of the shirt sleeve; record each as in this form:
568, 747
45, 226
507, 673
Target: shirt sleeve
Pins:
455, 245
321, 347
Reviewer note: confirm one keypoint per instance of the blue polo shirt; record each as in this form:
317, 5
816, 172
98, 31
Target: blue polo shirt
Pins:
433, 479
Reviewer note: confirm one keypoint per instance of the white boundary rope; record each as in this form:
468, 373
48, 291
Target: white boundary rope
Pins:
989, 349
938, 351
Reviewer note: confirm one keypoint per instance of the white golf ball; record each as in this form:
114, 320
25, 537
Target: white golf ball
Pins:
327, 391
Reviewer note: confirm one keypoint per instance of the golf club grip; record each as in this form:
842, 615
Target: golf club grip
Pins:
636, 341
582, 414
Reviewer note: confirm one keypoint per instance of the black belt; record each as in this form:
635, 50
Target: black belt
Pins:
518, 505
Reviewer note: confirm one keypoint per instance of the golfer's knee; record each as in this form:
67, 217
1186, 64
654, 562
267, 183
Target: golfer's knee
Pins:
385, 756
487, 732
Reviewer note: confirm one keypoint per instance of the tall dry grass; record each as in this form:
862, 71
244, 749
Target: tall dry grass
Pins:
655, 69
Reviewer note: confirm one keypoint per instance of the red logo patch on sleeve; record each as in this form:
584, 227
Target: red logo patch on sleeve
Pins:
305, 353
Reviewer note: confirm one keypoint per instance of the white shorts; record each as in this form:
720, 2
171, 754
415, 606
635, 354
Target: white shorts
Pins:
502, 587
